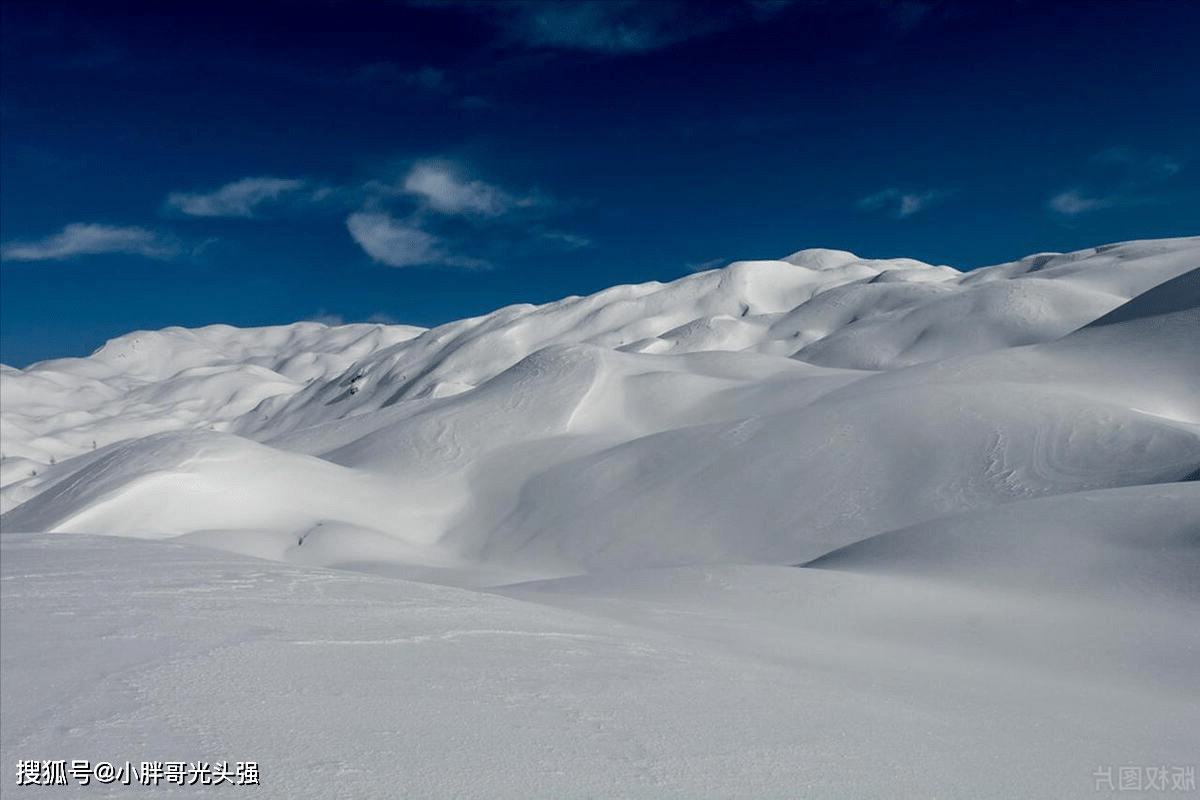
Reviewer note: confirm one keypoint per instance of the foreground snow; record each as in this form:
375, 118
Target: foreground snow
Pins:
817, 527
750, 681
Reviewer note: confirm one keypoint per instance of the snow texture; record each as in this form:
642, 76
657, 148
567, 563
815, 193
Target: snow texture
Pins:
816, 527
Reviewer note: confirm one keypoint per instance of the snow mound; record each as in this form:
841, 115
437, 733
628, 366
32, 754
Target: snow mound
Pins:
1142, 540
769, 412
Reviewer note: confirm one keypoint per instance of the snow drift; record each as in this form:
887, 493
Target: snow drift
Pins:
766, 412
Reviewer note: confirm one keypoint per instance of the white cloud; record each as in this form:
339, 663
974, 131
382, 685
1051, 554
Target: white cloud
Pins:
1074, 201
237, 199
441, 186
401, 243
436, 211
391, 241
80, 238
901, 204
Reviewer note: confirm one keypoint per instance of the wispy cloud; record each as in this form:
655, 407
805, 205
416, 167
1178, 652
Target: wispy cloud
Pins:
444, 189
238, 199
1137, 166
571, 241
326, 318
1074, 201
902, 204
81, 239
1116, 178
604, 26
333, 320
403, 243
382, 318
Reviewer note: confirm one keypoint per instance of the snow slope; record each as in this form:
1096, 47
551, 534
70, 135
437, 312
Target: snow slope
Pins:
989, 477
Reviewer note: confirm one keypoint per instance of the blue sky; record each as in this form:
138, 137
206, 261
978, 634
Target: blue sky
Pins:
186, 164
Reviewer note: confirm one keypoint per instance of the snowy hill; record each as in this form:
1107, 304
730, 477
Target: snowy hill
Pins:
984, 474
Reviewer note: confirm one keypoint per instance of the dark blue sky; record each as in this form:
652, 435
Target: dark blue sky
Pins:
184, 164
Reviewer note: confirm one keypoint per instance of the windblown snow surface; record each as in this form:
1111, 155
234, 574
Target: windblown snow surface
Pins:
821, 527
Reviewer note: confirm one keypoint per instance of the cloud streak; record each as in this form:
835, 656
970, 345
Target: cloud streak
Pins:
901, 204
601, 26
238, 199
83, 239
1120, 178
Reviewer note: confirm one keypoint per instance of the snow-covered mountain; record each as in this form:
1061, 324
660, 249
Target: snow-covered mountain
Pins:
989, 477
